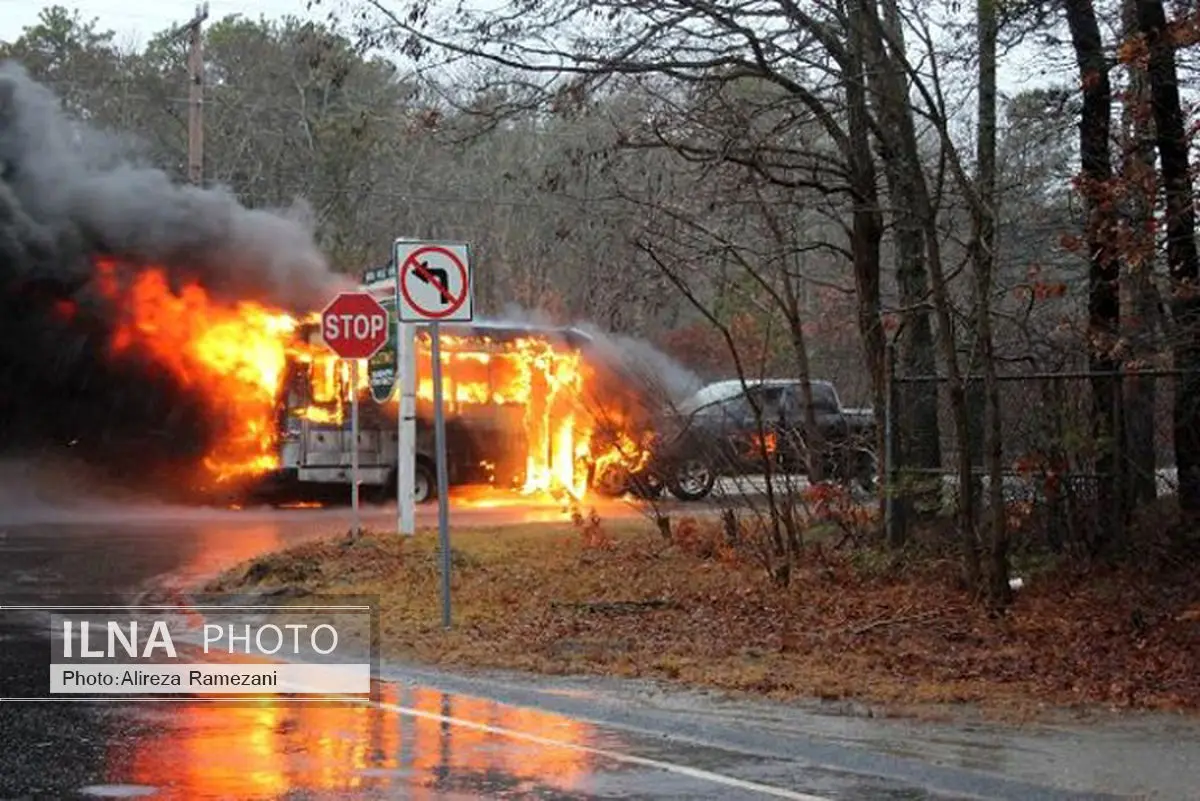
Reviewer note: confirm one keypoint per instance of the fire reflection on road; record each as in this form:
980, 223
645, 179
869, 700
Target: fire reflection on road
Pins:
216, 548
266, 750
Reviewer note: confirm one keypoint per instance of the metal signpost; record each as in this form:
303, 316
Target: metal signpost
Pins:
356, 526
354, 326
433, 281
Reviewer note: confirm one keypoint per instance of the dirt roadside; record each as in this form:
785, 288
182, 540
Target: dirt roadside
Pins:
619, 600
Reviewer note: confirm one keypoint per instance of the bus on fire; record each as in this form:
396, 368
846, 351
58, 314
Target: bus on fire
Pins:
531, 408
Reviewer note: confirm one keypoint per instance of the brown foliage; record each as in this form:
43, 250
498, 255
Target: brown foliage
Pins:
701, 540
592, 535
831, 503
854, 623
699, 346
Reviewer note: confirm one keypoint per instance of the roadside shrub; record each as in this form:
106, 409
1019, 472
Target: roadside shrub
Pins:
592, 536
833, 504
703, 541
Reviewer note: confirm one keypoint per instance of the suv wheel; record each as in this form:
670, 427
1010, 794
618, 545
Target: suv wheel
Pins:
691, 480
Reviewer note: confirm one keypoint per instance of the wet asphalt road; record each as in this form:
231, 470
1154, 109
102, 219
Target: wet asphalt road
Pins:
434, 735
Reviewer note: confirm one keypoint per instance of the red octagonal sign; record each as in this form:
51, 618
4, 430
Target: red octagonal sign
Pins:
354, 325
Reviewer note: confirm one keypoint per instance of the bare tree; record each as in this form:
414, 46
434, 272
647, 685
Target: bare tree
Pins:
983, 255
1142, 325
1183, 262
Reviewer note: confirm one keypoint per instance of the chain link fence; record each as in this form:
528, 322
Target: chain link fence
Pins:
1062, 461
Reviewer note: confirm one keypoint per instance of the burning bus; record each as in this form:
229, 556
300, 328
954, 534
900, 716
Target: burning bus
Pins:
530, 408
538, 409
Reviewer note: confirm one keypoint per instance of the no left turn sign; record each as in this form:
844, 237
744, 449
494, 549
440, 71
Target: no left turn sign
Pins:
434, 282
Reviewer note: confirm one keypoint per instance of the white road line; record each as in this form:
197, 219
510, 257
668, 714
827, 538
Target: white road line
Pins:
615, 756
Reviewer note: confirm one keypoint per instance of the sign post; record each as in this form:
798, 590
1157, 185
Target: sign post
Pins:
443, 488
354, 326
406, 437
433, 280
356, 526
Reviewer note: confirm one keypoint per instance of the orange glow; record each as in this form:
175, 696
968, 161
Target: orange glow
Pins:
234, 353
553, 389
264, 750
237, 354
217, 547
768, 444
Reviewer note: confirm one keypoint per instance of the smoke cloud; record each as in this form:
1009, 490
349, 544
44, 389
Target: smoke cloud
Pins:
67, 197
70, 200
645, 374
669, 379
658, 374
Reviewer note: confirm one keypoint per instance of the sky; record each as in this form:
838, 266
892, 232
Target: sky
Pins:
135, 21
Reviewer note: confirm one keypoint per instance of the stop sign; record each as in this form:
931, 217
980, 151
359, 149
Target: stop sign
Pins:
354, 325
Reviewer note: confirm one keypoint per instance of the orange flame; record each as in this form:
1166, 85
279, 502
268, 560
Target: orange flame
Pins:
554, 390
237, 354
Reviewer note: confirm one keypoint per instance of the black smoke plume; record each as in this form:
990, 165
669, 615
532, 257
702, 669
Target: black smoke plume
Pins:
64, 201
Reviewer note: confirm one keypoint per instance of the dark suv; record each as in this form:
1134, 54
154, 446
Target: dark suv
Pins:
716, 432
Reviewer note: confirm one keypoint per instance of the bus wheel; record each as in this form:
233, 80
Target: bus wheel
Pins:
424, 483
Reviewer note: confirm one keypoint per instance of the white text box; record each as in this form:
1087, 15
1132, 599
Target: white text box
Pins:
204, 679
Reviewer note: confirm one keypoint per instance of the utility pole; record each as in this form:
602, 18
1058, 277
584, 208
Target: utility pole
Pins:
195, 93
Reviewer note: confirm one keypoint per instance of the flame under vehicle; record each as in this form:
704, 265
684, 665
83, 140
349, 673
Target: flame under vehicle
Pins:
535, 409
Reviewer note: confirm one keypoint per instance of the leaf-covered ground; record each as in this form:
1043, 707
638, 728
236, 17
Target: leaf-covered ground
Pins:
622, 601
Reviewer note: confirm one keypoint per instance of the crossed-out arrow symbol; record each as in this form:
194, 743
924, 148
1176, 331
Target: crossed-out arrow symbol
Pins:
438, 277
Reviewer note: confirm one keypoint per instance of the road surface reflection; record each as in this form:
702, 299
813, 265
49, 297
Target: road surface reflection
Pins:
212, 549
268, 750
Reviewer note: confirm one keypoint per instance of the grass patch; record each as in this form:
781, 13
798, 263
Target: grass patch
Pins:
618, 599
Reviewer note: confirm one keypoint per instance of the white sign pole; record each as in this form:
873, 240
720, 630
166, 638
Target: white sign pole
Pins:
357, 527
406, 435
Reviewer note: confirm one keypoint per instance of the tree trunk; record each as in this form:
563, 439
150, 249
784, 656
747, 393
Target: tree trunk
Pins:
1104, 300
816, 448
1183, 263
920, 446
885, 65
1141, 322
983, 252
867, 225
